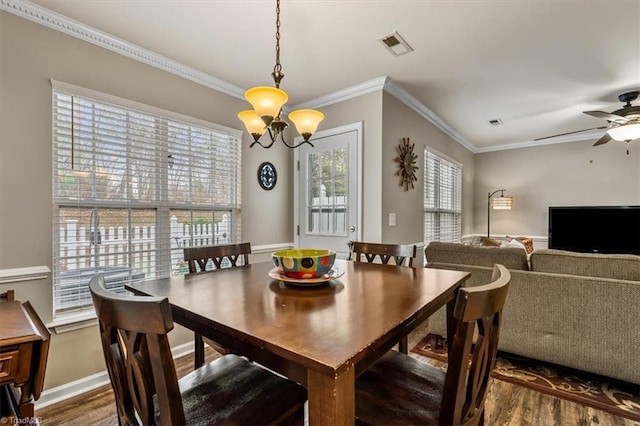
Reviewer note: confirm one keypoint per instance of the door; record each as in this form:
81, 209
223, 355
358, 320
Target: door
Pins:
328, 190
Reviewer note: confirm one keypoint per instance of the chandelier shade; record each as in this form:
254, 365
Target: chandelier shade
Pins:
306, 120
268, 103
625, 132
252, 122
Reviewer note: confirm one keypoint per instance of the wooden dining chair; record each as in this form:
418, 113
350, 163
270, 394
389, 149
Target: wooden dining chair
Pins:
401, 390
402, 255
229, 390
198, 258
8, 296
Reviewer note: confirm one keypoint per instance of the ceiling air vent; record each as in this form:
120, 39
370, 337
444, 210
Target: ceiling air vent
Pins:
395, 44
496, 122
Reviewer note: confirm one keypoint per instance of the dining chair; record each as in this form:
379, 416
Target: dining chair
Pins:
401, 390
217, 256
229, 390
8, 296
402, 255
199, 257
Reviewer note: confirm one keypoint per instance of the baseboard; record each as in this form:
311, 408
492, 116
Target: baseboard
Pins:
94, 381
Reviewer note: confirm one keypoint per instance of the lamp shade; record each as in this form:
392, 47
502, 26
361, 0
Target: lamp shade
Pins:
306, 120
266, 101
252, 122
501, 203
625, 132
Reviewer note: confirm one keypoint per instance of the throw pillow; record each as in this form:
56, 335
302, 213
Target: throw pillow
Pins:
527, 243
490, 242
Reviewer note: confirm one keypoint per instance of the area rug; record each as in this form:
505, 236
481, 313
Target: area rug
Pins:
603, 393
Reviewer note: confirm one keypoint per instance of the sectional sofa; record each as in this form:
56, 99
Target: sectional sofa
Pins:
573, 309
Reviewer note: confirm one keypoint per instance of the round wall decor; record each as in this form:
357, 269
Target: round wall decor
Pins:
406, 164
267, 176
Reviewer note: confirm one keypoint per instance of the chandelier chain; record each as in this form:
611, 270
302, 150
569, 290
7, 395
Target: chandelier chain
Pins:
277, 69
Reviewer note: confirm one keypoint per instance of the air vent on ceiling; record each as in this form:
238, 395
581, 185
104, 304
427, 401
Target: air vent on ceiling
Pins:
395, 44
496, 122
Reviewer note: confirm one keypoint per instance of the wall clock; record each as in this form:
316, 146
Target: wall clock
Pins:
406, 164
267, 176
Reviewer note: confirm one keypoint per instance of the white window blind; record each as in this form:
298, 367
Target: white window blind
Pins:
442, 199
131, 189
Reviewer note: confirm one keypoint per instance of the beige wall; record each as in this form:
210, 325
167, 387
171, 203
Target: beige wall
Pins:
568, 174
31, 55
400, 121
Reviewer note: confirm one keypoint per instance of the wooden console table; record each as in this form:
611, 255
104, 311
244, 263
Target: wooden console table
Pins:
24, 346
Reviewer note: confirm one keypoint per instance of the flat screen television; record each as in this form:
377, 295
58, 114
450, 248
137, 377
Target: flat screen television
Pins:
596, 229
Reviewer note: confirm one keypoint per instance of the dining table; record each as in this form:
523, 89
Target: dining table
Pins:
321, 334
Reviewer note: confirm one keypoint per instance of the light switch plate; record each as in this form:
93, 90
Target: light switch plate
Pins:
392, 219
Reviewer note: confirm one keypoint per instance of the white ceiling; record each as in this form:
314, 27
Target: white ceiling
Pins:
535, 64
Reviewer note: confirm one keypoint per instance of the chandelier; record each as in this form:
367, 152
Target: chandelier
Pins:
267, 103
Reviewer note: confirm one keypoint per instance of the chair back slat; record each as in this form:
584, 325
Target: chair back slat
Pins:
9, 296
199, 257
136, 348
466, 384
398, 252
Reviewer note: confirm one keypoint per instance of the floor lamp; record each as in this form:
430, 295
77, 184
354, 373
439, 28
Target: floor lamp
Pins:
497, 203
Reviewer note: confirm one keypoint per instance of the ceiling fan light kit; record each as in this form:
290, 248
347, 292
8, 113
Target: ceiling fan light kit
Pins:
268, 102
625, 132
623, 124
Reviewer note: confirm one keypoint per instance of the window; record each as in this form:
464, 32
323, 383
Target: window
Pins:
133, 185
442, 198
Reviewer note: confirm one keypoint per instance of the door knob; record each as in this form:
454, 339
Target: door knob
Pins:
352, 228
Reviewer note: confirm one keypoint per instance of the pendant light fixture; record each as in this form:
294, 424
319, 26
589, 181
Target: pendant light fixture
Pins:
267, 103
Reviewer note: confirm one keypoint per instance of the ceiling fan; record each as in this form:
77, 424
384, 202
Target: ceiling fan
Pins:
624, 123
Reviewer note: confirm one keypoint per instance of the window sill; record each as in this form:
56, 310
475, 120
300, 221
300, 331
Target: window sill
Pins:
69, 323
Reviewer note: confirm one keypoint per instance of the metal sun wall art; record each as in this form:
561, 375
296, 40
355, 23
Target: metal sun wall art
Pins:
406, 164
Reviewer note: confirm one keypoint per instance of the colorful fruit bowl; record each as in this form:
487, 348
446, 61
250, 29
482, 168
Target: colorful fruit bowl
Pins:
303, 263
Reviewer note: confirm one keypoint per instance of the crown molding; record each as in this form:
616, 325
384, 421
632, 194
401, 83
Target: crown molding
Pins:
370, 86
390, 86
409, 100
33, 12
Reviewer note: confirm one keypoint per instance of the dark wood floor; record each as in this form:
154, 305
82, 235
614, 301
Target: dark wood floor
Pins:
506, 404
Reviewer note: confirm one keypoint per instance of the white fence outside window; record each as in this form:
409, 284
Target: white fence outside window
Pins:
77, 245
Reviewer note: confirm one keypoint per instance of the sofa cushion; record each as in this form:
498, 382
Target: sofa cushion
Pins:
460, 254
614, 266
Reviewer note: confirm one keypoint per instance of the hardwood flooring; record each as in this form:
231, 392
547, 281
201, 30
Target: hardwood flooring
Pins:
506, 404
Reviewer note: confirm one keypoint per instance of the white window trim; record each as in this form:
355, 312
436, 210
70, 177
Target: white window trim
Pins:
127, 103
456, 163
64, 322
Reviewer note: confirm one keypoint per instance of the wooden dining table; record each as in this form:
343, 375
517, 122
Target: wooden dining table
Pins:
321, 336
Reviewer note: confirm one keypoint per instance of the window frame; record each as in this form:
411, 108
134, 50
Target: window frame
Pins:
454, 200
164, 252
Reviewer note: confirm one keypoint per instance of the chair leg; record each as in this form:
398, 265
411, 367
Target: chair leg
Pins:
403, 345
198, 353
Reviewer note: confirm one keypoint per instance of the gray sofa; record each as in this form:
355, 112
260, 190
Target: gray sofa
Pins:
573, 309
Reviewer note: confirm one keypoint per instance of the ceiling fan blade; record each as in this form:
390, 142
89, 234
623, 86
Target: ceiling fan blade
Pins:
604, 139
607, 116
570, 133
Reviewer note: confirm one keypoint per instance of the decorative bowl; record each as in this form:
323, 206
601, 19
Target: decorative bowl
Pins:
304, 263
